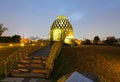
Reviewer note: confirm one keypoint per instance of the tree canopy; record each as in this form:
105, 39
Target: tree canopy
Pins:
2, 29
96, 39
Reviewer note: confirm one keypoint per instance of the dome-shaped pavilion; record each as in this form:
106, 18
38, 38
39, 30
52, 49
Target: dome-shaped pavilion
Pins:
61, 30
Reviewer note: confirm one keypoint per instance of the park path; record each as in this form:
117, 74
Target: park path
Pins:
44, 52
32, 68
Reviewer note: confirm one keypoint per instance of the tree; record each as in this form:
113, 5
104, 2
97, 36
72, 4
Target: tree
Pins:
2, 29
87, 42
16, 38
111, 40
96, 39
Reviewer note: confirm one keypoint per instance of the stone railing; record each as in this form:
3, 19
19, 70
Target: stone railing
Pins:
55, 50
12, 60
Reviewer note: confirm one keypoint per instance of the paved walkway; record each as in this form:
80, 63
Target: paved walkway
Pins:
42, 52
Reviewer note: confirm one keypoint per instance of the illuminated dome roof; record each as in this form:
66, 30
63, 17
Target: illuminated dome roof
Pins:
61, 29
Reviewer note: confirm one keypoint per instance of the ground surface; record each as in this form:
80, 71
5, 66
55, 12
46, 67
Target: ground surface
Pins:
104, 61
5, 51
42, 52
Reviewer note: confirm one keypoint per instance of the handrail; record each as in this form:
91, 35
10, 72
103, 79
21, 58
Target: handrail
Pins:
55, 50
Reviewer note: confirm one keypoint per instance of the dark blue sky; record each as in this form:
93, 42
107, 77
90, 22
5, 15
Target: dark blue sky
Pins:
35, 17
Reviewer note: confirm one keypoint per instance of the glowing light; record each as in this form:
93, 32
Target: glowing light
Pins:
57, 35
42, 44
61, 28
69, 39
22, 44
33, 44
11, 45
78, 42
1, 47
63, 17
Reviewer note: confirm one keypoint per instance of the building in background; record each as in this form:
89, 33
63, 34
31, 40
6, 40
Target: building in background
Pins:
61, 30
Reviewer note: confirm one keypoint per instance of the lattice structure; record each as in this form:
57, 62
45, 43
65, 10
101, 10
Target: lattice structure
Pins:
61, 29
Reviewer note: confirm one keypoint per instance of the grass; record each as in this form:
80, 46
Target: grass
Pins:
104, 61
5, 51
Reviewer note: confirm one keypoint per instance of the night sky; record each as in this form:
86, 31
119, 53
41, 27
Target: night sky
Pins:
35, 17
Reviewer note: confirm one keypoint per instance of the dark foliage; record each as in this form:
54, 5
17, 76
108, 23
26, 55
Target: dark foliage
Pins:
96, 39
87, 42
13, 39
110, 40
2, 29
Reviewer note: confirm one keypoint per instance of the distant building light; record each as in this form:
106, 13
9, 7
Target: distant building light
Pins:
11, 45
69, 39
1, 47
22, 44
42, 44
78, 42
33, 44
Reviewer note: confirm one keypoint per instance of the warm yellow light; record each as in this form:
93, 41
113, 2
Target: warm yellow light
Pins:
78, 42
1, 47
63, 17
69, 39
11, 45
33, 44
61, 29
42, 44
22, 44
57, 35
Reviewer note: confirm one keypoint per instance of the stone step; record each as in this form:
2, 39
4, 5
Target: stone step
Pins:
30, 68
38, 65
32, 63
39, 71
39, 57
18, 79
35, 65
21, 70
25, 61
35, 58
33, 70
39, 61
23, 65
31, 75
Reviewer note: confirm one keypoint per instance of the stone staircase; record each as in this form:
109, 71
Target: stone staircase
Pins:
31, 67
34, 67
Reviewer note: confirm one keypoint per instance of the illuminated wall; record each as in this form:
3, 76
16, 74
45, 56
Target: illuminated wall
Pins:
61, 30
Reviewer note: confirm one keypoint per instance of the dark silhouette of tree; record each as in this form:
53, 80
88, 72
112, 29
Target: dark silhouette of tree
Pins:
111, 40
87, 42
96, 39
8, 39
16, 38
2, 29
